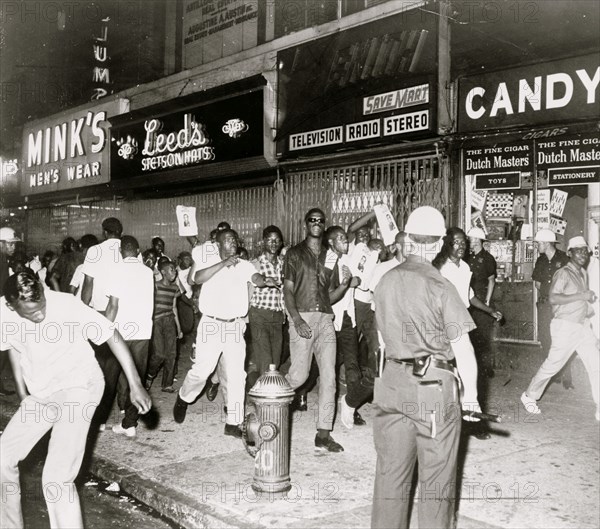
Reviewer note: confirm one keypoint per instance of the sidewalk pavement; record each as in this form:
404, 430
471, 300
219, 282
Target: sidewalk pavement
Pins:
535, 471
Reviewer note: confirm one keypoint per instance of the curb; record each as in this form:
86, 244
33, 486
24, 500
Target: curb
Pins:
177, 507
188, 512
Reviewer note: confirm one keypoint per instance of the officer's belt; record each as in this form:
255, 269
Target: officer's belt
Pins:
435, 362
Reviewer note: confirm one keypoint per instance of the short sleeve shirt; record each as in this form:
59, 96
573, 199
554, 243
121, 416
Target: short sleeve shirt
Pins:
430, 316
460, 277
346, 304
269, 298
311, 277
570, 280
483, 265
134, 287
55, 354
77, 280
101, 262
205, 255
545, 269
225, 295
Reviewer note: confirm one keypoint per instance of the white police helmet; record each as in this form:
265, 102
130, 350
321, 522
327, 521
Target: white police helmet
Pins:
426, 220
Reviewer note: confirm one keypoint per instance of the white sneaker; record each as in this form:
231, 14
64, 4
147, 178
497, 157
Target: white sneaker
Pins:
346, 414
129, 432
530, 404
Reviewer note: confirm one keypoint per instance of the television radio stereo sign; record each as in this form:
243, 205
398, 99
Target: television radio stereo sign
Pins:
68, 150
372, 129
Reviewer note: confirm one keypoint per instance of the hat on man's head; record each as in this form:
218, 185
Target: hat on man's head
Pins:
8, 235
426, 220
476, 233
577, 242
545, 236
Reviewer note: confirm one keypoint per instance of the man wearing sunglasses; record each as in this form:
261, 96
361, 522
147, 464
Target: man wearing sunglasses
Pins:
309, 289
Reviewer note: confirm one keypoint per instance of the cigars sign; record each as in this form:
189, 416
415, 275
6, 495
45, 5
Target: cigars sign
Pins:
567, 160
564, 90
69, 150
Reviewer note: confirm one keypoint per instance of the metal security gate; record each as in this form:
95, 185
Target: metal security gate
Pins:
247, 210
348, 192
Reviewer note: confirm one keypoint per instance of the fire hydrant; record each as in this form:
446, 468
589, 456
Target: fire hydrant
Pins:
266, 431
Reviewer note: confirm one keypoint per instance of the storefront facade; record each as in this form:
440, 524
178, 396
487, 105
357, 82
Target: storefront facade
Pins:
357, 123
529, 153
66, 156
183, 149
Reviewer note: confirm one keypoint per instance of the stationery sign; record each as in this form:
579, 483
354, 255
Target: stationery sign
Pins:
573, 160
227, 130
498, 166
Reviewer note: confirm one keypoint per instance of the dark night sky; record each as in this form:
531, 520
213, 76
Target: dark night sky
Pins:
46, 58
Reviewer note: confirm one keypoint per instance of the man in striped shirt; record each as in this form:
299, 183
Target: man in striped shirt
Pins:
166, 329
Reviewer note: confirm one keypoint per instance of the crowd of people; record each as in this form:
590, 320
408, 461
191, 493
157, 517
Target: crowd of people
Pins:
410, 334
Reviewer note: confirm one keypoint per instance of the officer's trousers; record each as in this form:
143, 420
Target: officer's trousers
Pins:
415, 422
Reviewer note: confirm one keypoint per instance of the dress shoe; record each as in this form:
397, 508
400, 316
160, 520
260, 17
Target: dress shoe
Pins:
328, 444
233, 430
211, 390
180, 409
358, 420
169, 389
299, 403
6, 392
482, 435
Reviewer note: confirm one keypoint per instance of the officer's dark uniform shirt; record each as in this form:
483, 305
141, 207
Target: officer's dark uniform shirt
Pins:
545, 269
311, 278
4, 272
419, 312
483, 265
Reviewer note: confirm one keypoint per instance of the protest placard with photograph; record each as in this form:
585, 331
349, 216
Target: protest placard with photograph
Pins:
362, 261
186, 220
386, 222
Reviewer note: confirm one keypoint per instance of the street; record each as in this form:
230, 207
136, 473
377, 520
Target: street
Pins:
101, 508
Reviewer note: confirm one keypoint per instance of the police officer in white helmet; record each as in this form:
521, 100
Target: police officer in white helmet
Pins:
417, 398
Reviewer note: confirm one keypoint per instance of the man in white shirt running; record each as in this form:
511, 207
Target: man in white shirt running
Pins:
223, 303
60, 384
